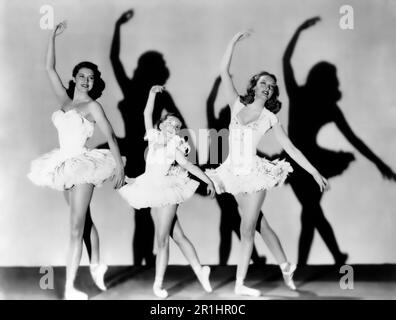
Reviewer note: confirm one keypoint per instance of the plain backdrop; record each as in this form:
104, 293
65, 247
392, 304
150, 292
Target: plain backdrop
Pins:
192, 36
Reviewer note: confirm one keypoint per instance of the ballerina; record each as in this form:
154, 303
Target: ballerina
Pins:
247, 176
73, 168
163, 186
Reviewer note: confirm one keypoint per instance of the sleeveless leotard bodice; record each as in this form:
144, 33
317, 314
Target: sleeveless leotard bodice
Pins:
73, 131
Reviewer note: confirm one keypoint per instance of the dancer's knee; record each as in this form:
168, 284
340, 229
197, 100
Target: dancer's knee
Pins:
247, 232
76, 230
178, 236
162, 241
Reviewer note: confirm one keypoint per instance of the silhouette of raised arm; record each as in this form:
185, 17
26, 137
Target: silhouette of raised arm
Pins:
210, 103
166, 102
288, 73
116, 63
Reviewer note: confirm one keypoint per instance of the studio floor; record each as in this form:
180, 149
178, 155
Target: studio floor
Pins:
314, 282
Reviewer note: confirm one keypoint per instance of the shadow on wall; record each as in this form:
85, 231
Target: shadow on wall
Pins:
312, 106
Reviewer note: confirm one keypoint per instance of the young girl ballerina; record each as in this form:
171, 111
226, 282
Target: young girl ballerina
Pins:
247, 176
163, 186
73, 168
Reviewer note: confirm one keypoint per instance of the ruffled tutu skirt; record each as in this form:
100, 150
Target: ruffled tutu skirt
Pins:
151, 190
60, 171
262, 174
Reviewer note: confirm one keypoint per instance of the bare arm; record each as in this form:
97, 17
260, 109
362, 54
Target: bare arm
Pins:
99, 116
195, 170
116, 63
226, 78
148, 111
56, 83
297, 156
346, 130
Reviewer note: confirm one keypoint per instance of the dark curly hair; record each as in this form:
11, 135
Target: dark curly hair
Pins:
98, 85
272, 104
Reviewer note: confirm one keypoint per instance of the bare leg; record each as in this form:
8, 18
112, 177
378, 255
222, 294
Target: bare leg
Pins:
189, 252
272, 241
163, 223
250, 206
91, 240
97, 269
80, 198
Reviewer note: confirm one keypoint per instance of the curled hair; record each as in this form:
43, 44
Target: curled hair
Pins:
183, 144
98, 85
164, 117
272, 104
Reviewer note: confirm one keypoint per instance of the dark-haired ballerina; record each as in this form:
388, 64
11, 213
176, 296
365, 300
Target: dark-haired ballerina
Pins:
248, 176
73, 168
311, 107
163, 186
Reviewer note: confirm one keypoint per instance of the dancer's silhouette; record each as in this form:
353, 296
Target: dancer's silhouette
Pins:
311, 107
230, 219
151, 70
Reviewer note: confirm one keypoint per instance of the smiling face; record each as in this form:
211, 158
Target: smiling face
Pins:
170, 126
265, 87
84, 80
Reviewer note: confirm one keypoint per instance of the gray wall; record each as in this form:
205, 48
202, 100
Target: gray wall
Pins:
192, 36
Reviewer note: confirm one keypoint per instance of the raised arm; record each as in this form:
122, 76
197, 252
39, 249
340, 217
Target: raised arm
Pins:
196, 171
100, 118
118, 68
148, 111
226, 78
346, 130
288, 73
56, 82
297, 156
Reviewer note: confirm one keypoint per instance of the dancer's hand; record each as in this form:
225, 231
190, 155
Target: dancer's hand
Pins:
210, 189
321, 181
125, 17
386, 171
241, 35
119, 178
60, 27
156, 89
309, 23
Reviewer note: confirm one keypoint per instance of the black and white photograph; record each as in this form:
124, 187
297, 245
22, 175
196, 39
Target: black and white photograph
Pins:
222, 151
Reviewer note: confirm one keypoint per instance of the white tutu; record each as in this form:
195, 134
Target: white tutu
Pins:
244, 171
72, 163
261, 175
151, 190
163, 182
61, 172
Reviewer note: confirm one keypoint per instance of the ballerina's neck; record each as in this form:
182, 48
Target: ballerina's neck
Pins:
80, 97
258, 103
